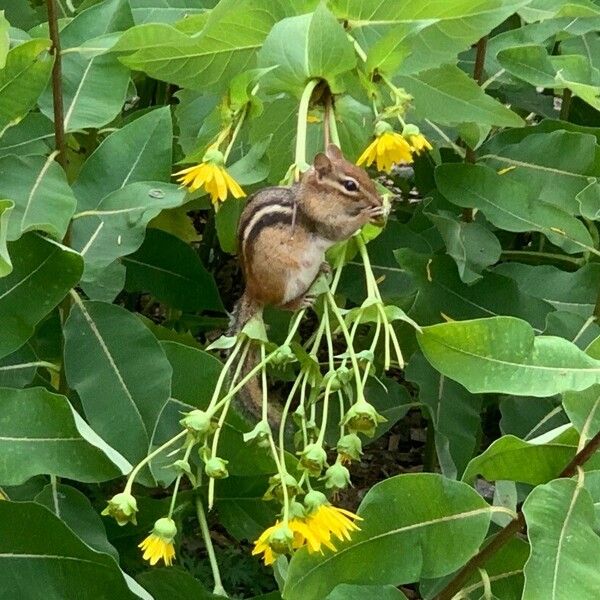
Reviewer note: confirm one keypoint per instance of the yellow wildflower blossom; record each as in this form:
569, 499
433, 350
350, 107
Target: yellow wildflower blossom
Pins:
387, 149
211, 175
419, 143
159, 544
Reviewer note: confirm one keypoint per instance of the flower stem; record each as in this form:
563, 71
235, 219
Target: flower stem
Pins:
238, 345
218, 590
148, 458
300, 154
234, 135
188, 450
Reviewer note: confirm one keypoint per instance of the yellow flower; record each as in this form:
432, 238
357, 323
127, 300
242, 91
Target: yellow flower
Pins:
159, 544
419, 143
328, 519
387, 149
212, 176
273, 541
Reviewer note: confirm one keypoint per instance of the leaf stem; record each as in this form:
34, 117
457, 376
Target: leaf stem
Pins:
300, 154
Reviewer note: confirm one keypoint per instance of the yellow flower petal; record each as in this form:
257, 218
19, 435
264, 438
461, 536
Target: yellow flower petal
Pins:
156, 548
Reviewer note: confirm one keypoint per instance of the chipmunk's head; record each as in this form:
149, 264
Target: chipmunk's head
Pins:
333, 174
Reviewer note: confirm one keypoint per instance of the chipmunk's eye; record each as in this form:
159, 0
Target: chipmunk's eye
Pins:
350, 185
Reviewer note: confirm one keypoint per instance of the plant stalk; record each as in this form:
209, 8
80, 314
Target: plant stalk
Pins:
515, 526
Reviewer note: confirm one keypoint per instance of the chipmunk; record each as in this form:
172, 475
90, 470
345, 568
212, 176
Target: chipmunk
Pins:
284, 232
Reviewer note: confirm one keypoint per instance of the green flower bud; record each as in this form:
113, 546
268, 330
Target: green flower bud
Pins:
165, 528
296, 510
283, 356
275, 489
363, 418
216, 468
260, 434
281, 540
382, 127
313, 458
337, 477
198, 422
212, 155
349, 447
410, 129
122, 507
314, 499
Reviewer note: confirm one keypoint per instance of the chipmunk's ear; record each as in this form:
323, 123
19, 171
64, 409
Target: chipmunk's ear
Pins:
322, 164
334, 153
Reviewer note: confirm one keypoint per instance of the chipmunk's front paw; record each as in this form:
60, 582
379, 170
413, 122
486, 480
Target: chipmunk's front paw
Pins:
376, 215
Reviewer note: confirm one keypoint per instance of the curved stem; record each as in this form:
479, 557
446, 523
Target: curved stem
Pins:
188, 450
234, 135
300, 154
218, 590
238, 345
284, 414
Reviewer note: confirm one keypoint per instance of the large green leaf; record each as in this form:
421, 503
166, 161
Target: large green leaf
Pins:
502, 354
358, 592
449, 96
554, 166
117, 226
320, 50
454, 414
74, 508
171, 271
511, 459
40, 557
565, 550
30, 136
43, 199
227, 45
120, 373
439, 293
511, 205
140, 151
23, 79
420, 35
472, 245
164, 583
402, 538
567, 291
18, 369
43, 273
40, 433
167, 11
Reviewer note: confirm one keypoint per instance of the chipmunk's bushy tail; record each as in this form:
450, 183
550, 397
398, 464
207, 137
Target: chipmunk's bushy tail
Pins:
249, 398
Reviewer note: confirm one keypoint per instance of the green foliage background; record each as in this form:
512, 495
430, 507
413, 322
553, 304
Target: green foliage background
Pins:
106, 288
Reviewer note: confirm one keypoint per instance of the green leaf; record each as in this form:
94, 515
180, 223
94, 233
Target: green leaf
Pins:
117, 226
510, 205
74, 509
42, 434
94, 85
320, 50
439, 294
30, 136
166, 583
167, 11
23, 79
345, 591
565, 550
172, 272
554, 166
472, 246
454, 414
410, 528
567, 291
511, 459
140, 151
119, 371
43, 273
108, 284
18, 369
451, 97
502, 354
419, 36
42, 555
233, 33
6, 208
4, 39
43, 199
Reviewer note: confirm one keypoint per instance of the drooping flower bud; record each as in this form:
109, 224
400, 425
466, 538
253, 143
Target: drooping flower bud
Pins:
275, 489
349, 447
337, 477
363, 418
281, 540
314, 499
216, 468
313, 458
122, 507
198, 422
